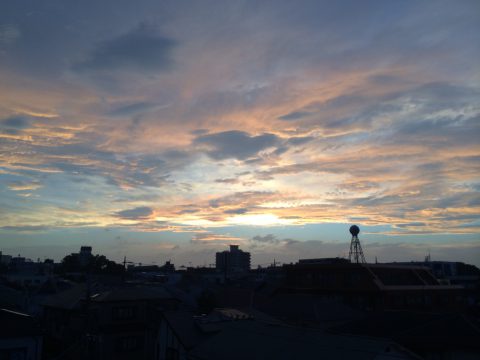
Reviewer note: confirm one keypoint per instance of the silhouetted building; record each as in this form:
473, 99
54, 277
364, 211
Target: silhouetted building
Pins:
449, 272
234, 334
430, 335
168, 267
118, 323
5, 259
336, 260
233, 261
143, 268
373, 286
85, 255
26, 273
121, 321
20, 336
18, 262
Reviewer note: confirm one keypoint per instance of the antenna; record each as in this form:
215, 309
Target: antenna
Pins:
356, 253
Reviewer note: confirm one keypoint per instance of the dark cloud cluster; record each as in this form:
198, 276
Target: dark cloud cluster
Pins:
14, 125
138, 213
237, 211
235, 144
295, 115
227, 181
141, 49
16, 122
132, 109
271, 239
241, 145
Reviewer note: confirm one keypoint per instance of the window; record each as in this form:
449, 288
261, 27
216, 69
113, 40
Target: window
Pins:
128, 343
123, 312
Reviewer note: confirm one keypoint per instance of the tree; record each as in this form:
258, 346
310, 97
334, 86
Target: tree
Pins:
97, 264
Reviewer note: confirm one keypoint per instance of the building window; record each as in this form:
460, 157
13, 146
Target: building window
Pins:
128, 343
123, 313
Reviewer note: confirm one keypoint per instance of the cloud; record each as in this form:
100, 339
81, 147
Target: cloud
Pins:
235, 144
236, 211
296, 115
14, 126
133, 109
24, 185
300, 140
412, 224
16, 122
83, 157
25, 228
139, 213
243, 198
9, 34
270, 239
227, 181
379, 125
208, 238
359, 185
141, 49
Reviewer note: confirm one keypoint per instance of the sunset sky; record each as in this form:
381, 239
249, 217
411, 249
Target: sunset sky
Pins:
169, 129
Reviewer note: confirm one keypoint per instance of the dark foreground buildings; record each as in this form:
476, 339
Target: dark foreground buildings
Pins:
325, 308
373, 286
238, 334
118, 323
20, 336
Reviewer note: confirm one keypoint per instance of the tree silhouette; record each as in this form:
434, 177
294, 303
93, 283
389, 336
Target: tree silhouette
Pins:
97, 264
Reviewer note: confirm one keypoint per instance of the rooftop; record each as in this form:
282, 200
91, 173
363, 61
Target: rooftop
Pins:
237, 334
15, 324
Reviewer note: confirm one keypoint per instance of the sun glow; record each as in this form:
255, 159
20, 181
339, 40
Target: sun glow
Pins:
258, 220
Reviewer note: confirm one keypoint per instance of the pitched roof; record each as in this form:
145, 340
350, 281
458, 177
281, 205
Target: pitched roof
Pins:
234, 334
257, 340
183, 325
15, 324
133, 294
308, 308
68, 299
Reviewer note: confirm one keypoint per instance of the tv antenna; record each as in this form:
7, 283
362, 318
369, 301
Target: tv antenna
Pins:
356, 253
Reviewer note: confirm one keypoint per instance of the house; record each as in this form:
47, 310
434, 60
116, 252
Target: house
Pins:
431, 335
28, 274
20, 336
373, 286
122, 321
116, 323
234, 334
64, 314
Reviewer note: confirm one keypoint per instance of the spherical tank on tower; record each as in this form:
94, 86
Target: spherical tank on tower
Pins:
354, 230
